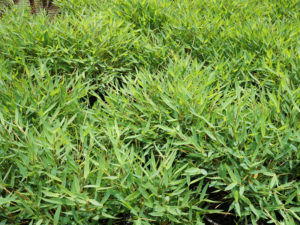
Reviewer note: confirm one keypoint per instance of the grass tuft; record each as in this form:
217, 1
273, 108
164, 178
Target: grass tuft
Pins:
150, 112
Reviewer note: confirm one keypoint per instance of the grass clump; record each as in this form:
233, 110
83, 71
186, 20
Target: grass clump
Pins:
150, 112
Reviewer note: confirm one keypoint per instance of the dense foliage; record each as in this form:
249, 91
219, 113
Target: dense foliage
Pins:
151, 112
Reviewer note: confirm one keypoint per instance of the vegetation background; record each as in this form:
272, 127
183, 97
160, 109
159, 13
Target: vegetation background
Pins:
151, 112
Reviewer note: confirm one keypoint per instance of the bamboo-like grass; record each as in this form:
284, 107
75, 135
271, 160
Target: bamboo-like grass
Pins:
151, 112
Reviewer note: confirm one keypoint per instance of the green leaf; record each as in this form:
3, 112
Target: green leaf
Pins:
237, 208
195, 171
230, 186
57, 215
274, 181
95, 203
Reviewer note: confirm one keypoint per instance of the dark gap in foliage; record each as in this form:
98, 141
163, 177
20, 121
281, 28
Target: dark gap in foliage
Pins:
215, 195
219, 196
25, 222
220, 219
279, 217
91, 99
124, 219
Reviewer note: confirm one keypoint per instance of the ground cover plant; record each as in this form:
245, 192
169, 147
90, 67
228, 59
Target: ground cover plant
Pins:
150, 112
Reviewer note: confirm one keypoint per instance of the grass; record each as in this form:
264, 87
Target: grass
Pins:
151, 112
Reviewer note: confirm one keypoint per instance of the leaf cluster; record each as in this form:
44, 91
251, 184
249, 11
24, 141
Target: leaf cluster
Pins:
150, 112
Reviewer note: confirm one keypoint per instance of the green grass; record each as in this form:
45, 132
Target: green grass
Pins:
197, 113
